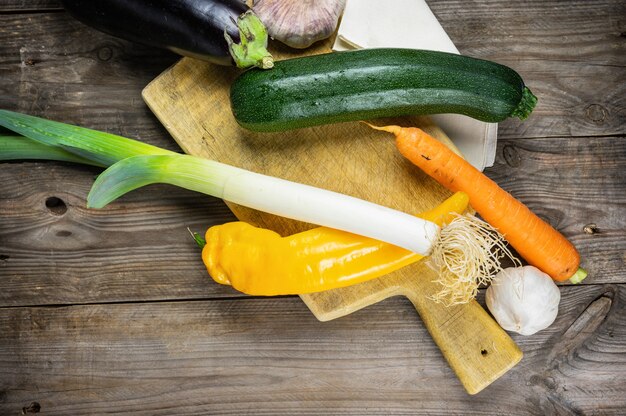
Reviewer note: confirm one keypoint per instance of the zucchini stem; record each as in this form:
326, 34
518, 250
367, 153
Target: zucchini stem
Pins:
526, 105
252, 51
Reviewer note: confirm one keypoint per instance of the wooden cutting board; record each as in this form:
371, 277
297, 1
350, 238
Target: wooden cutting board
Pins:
191, 100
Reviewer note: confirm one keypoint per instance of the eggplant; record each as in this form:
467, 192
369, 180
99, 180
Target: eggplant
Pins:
224, 32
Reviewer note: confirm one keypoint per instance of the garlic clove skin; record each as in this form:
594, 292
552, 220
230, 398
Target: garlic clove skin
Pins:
299, 23
523, 299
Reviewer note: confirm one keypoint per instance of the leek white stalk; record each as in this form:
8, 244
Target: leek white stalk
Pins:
266, 193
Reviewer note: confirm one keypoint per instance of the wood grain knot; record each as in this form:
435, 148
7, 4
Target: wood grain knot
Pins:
550, 383
537, 380
56, 205
511, 156
533, 380
591, 229
596, 113
34, 407
104, 53
4, 257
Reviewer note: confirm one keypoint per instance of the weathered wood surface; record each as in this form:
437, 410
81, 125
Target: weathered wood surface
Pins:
54, 66
21, 6
270, 356
577, 184
140, 249
210, 350
566, 51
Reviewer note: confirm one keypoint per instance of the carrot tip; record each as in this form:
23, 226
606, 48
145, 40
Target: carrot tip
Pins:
579, 276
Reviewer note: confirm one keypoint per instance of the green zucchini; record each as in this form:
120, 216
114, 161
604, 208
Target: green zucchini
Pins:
372, 83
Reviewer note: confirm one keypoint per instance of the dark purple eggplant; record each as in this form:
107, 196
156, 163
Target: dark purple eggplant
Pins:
225, 32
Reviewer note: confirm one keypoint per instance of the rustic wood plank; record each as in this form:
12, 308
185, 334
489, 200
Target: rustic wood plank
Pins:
139, 249
572, 54
573, 183
55, 67
12, 6
270, 356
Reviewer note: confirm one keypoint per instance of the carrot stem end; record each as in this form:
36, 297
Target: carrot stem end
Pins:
579, 276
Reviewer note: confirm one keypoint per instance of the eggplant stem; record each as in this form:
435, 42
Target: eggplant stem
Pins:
252, 51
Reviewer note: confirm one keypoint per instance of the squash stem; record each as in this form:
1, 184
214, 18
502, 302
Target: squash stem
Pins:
526, 104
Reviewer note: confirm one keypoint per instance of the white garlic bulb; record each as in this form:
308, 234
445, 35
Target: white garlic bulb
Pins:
299, 23
523, 299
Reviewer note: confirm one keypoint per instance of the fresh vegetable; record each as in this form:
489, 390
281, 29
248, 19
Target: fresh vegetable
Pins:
300, 23
266, 193
18, 147
534, 239
205, 29
460, 249
260, 262
371, 83
523, 299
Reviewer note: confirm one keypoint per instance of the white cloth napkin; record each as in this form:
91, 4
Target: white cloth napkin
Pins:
411, 24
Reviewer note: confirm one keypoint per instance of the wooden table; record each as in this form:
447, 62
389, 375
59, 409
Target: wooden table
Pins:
112, 311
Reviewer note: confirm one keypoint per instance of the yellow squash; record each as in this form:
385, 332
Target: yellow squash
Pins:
260, 262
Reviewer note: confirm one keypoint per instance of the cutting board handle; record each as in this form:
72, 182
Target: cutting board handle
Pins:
477, 349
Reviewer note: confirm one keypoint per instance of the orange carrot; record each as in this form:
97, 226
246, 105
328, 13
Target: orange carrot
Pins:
534, 239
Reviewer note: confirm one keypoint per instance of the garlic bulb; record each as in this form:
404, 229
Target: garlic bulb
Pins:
299, 23
523, 299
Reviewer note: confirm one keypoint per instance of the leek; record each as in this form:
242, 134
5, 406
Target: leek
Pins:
99, 147
266, 193
19, 147
136, 164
